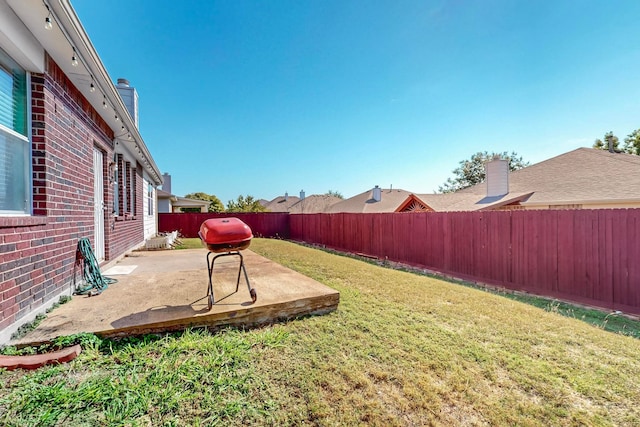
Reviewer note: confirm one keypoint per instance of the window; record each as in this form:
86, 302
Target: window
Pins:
150, 198
132, 191
15, 158
124, 188
116, 189
126, 177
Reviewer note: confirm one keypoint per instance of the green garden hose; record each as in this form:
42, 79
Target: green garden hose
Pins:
95, 281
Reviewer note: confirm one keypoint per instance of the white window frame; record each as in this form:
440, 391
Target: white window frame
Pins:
150, 208
28, 177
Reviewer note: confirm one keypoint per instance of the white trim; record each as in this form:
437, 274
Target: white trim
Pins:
14, 133
29, 168
584, 202
68, 33
18, 41
28, 172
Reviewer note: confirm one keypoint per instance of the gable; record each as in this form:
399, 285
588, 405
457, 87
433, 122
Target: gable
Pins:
413, 204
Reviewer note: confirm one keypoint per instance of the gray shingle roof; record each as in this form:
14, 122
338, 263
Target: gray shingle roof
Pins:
316, 203
281, 203
585, 176
391, 199
582, 176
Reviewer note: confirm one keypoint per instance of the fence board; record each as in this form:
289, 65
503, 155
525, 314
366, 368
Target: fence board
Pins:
621, 259
262, 224
586, 256
499, 243
631, 296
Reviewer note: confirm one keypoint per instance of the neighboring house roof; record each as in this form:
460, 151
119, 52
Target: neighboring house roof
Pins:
316, 203
281, 203
585, 176
164, 195
580, 177
390, 200
183, 202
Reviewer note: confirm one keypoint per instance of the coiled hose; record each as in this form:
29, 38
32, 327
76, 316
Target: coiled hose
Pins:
95, 281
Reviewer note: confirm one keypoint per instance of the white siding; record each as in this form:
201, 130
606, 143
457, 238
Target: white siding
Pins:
150, 219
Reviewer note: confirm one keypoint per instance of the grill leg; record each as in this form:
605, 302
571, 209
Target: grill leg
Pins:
241, 268
252, 291
210, 298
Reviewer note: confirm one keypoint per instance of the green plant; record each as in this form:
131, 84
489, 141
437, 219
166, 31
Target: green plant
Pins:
190, 243
28, 327
608, 321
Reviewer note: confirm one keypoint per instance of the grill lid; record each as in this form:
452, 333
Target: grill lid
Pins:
224, 231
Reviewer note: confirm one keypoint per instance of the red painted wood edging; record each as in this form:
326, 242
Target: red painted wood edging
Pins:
35, 361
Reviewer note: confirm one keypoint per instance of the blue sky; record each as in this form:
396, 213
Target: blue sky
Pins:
262, 97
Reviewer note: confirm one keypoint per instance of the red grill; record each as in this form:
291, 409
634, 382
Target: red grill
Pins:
226, 237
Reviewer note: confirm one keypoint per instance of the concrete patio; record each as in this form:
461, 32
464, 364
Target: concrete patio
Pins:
161, 291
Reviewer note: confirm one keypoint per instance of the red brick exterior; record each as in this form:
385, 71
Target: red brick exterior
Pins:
37, 253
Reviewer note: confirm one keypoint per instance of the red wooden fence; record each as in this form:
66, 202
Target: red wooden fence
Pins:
586, 256
265, 224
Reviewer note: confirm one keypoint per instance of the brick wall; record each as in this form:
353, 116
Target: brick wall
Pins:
37, 253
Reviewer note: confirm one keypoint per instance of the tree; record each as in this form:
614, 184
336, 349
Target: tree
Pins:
245, 204
471, 172
603, 144
334, 194
631, 143
215, 205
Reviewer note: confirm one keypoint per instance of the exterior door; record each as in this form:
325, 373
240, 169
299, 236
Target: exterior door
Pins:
98, 205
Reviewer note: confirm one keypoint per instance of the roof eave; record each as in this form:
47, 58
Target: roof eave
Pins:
501, 203
581, 202
69, 27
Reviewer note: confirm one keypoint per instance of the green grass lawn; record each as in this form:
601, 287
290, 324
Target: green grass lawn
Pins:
402, 349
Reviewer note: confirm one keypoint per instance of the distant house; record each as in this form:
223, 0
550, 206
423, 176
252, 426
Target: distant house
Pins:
72, 162
169, 203
316, 203
585, 178
280, 203
375, 200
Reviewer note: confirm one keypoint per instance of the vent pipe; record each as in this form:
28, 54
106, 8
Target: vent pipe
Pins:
377, 193
301, 194
286, 196
610, 143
